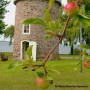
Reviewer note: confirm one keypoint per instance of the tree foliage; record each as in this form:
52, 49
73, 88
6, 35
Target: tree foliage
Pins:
9, 32
73, 30
3, 10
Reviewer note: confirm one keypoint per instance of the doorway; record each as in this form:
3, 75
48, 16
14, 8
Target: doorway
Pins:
24, 45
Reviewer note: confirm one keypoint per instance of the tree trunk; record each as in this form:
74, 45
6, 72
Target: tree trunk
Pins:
72, 50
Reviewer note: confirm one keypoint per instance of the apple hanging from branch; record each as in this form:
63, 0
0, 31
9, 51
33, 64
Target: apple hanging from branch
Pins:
87, 64
42, 83
71, 9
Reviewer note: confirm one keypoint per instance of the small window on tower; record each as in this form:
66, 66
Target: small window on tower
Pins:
26, 29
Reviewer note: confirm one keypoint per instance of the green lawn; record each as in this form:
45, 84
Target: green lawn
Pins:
19, 79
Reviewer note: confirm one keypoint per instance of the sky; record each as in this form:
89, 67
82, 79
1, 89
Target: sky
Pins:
10, 16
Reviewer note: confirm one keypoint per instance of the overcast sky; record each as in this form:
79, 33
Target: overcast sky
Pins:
10, 16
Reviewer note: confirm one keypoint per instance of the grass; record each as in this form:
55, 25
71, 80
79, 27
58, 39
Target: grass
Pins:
74, 57
20, 79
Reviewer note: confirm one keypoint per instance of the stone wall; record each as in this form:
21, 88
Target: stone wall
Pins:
31, 9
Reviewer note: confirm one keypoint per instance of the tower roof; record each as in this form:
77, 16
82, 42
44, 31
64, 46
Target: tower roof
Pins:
21, 0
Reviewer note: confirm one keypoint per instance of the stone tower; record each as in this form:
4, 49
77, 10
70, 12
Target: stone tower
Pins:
26, 35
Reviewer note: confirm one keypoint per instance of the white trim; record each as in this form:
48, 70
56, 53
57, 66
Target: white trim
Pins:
23, 29
33, 50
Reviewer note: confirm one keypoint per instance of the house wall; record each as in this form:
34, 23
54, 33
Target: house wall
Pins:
32, 9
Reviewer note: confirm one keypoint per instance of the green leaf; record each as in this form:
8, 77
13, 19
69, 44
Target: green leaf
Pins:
49, 77
34, 21
40, 74
47, 11
51, 2
84, 19
53, 24
47, 15
27, 62
13, 66
54, 71
77, 65
29, 51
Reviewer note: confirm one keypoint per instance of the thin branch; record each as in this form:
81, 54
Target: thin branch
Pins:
37, 65
45, 71
50, 52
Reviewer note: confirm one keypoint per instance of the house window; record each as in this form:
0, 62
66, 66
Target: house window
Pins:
26, 29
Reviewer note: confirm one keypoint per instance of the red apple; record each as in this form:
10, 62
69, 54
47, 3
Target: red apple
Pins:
42, 83
87, 64
71, 9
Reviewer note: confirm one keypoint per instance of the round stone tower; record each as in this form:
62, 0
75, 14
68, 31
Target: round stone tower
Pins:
26, 35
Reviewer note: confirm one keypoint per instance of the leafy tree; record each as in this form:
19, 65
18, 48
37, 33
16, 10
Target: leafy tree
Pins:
83, 18
73, 29
9, 32
3, 10
74, 23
